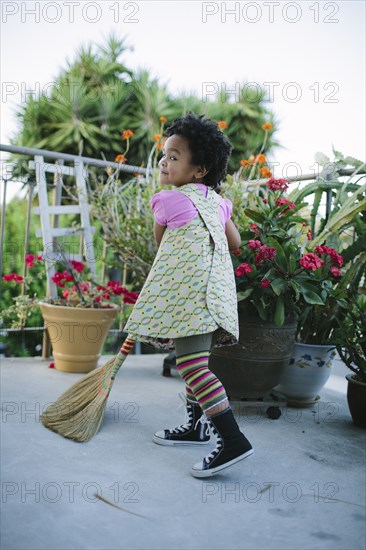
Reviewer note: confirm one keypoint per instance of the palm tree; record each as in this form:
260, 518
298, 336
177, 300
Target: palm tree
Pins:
96, 97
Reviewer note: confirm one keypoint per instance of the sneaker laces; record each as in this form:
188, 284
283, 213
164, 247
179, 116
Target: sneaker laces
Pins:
188, 416
219, 443
203, 420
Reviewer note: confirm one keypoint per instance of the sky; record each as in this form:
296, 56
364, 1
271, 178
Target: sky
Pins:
310, 56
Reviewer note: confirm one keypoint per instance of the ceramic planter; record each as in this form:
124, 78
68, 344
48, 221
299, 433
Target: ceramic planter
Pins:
306, 374
356, 397
252, 368
77, 334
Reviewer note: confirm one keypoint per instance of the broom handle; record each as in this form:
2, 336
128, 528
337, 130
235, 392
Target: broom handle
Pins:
126, 348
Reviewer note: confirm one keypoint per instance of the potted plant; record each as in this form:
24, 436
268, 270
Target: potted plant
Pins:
277, 275
350, 339
344, 228
77, 320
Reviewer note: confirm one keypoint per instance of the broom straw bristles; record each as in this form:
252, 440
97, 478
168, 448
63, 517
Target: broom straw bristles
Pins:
78, 412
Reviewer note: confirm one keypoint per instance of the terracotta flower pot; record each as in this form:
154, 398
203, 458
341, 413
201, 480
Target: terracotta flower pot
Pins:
77, 335
356, 397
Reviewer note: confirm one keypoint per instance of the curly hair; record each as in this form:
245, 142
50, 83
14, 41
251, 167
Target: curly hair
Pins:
208, 145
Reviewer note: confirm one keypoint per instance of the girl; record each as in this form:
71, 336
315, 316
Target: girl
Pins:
189, 298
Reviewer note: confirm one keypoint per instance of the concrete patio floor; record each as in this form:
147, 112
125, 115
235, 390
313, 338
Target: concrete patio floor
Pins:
303, 488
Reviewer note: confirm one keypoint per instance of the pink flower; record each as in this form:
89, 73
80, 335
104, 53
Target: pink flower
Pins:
265, 283
309, 235
236, 252
84, 287
39, 258
51, 365
254, 228
78, 266
311, 261
265, 201
254, 244
29, 260
13, 277
336, 258
263, 253
336, 271
243, 269
282, 201
65, 293
277, 185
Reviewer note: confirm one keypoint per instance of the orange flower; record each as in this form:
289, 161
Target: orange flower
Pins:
265, 173
222, 124
120, 158
163, 119
126, 134
156, 137
244, 163
267, 126
260, 158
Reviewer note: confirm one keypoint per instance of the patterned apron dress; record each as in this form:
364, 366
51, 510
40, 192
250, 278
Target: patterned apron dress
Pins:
190, 288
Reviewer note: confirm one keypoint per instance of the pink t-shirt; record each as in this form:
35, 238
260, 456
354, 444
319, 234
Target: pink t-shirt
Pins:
174, 209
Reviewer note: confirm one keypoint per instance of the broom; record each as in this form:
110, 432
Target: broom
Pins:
78, 412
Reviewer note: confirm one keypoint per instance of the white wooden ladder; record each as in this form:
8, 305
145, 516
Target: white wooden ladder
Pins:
50, 232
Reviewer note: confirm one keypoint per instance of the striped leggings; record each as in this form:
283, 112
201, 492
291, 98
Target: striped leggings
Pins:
192, 353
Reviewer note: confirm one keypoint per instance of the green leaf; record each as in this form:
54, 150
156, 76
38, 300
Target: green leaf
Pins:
278, 286
280, 257
292, 265
254, 215
296, 289
279, 316
262, 309
312, 298
243, 295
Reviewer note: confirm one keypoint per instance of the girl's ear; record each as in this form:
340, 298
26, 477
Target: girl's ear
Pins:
202, 171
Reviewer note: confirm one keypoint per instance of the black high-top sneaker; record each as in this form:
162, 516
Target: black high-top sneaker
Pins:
231, 446
194, 432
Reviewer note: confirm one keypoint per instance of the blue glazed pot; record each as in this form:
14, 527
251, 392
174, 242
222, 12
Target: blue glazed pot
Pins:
307, 373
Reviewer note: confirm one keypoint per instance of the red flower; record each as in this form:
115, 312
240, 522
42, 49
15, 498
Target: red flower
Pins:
236, 252
78, 266
265, 283
29, 260
309, 235
263, 253
282, 201
254, 228
115, 287
61, 278
65, 293
311, 261
253, 244
265, 201
130, 297
39, 258
243, 269
13, 277
336, 258
336, 271
277, 185
51, 365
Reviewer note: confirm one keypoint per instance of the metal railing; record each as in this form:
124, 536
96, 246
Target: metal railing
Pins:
60, 157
